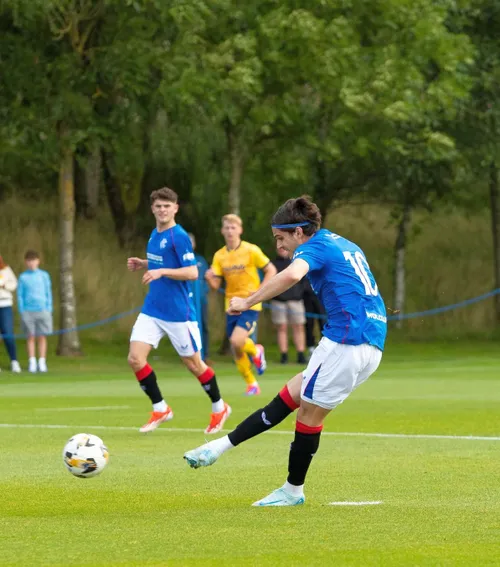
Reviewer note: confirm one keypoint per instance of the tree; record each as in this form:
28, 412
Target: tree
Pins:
76, 83
247, 71
386, 125
478, 127
58, 114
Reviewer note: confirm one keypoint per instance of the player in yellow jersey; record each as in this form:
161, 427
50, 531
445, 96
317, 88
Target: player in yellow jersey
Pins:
238, 263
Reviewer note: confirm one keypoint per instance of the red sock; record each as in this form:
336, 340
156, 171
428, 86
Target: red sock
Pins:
208, 382
287, 398
148, 383
143, 372
206, 376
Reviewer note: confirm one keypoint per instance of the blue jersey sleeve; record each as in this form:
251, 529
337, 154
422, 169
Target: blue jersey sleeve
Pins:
311, 254
184, 249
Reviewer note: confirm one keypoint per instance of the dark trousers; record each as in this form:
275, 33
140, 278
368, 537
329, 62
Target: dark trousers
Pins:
7, 328
313, 305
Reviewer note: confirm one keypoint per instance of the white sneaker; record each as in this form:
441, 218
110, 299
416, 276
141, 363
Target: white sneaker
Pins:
42, 365
280, 497
203, 456
15, 366
32, 366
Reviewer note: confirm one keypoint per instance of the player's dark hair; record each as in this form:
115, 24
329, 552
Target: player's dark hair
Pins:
296, 211
31, 255
164, 194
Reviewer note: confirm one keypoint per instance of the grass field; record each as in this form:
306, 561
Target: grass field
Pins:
434, 467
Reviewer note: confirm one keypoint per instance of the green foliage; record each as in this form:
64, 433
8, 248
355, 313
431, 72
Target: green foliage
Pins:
338, 89
392, 101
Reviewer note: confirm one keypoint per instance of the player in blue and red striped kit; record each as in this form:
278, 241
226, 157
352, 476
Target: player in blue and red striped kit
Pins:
347, 355
169, 310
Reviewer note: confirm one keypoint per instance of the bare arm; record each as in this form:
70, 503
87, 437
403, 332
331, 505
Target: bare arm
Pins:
213, 281
269, 271
274, 286
134, 264
181, 274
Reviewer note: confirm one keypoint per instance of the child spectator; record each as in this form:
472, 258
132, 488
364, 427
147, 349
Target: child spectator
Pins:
34, 300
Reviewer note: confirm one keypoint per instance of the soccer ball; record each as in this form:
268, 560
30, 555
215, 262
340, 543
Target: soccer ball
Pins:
85, 455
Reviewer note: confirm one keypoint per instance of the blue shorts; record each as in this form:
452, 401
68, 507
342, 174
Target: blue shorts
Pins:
247, 320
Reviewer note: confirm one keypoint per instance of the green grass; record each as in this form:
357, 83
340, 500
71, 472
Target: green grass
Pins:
441, 496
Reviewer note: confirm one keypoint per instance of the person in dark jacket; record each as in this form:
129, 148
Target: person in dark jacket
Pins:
313, 307
287, 310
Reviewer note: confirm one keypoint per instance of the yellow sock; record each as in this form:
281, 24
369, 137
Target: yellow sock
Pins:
245, 368
249, 347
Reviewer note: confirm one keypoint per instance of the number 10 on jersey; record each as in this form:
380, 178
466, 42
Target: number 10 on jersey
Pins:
358, 263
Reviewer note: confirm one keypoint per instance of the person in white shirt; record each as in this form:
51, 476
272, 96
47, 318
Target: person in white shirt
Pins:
8, 284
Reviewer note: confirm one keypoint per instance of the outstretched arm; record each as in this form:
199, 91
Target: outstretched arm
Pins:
269, 271
275, 286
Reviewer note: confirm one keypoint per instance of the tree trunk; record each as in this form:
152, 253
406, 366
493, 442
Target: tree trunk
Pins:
87, 184
236, 159
124, 223
92, 182
495, 227
399, 263
69, 343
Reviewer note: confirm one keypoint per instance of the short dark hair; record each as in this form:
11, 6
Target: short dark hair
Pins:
163, 194
299, 210
31, 255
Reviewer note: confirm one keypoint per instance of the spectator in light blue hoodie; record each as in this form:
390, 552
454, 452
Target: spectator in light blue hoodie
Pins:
34, 301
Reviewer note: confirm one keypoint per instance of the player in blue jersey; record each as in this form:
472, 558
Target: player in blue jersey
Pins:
169, 310
347, 355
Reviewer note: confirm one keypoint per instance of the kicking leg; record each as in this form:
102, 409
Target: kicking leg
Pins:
262, 420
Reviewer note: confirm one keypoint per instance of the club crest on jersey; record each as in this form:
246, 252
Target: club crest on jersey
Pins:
163, 243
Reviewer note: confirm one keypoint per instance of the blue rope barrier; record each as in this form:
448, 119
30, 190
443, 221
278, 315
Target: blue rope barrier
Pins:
83, 327
445, 308
403, 316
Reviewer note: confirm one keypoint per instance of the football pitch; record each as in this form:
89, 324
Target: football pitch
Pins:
415, 451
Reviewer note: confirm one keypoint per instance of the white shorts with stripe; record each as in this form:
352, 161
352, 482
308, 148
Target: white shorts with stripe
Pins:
185, 336
335, 370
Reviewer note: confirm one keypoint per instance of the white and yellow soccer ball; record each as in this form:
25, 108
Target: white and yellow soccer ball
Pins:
85, 455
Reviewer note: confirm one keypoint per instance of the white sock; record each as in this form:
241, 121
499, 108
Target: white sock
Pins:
41, 360
221, 445
217, 407
32, 360
160, 406
293, 490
